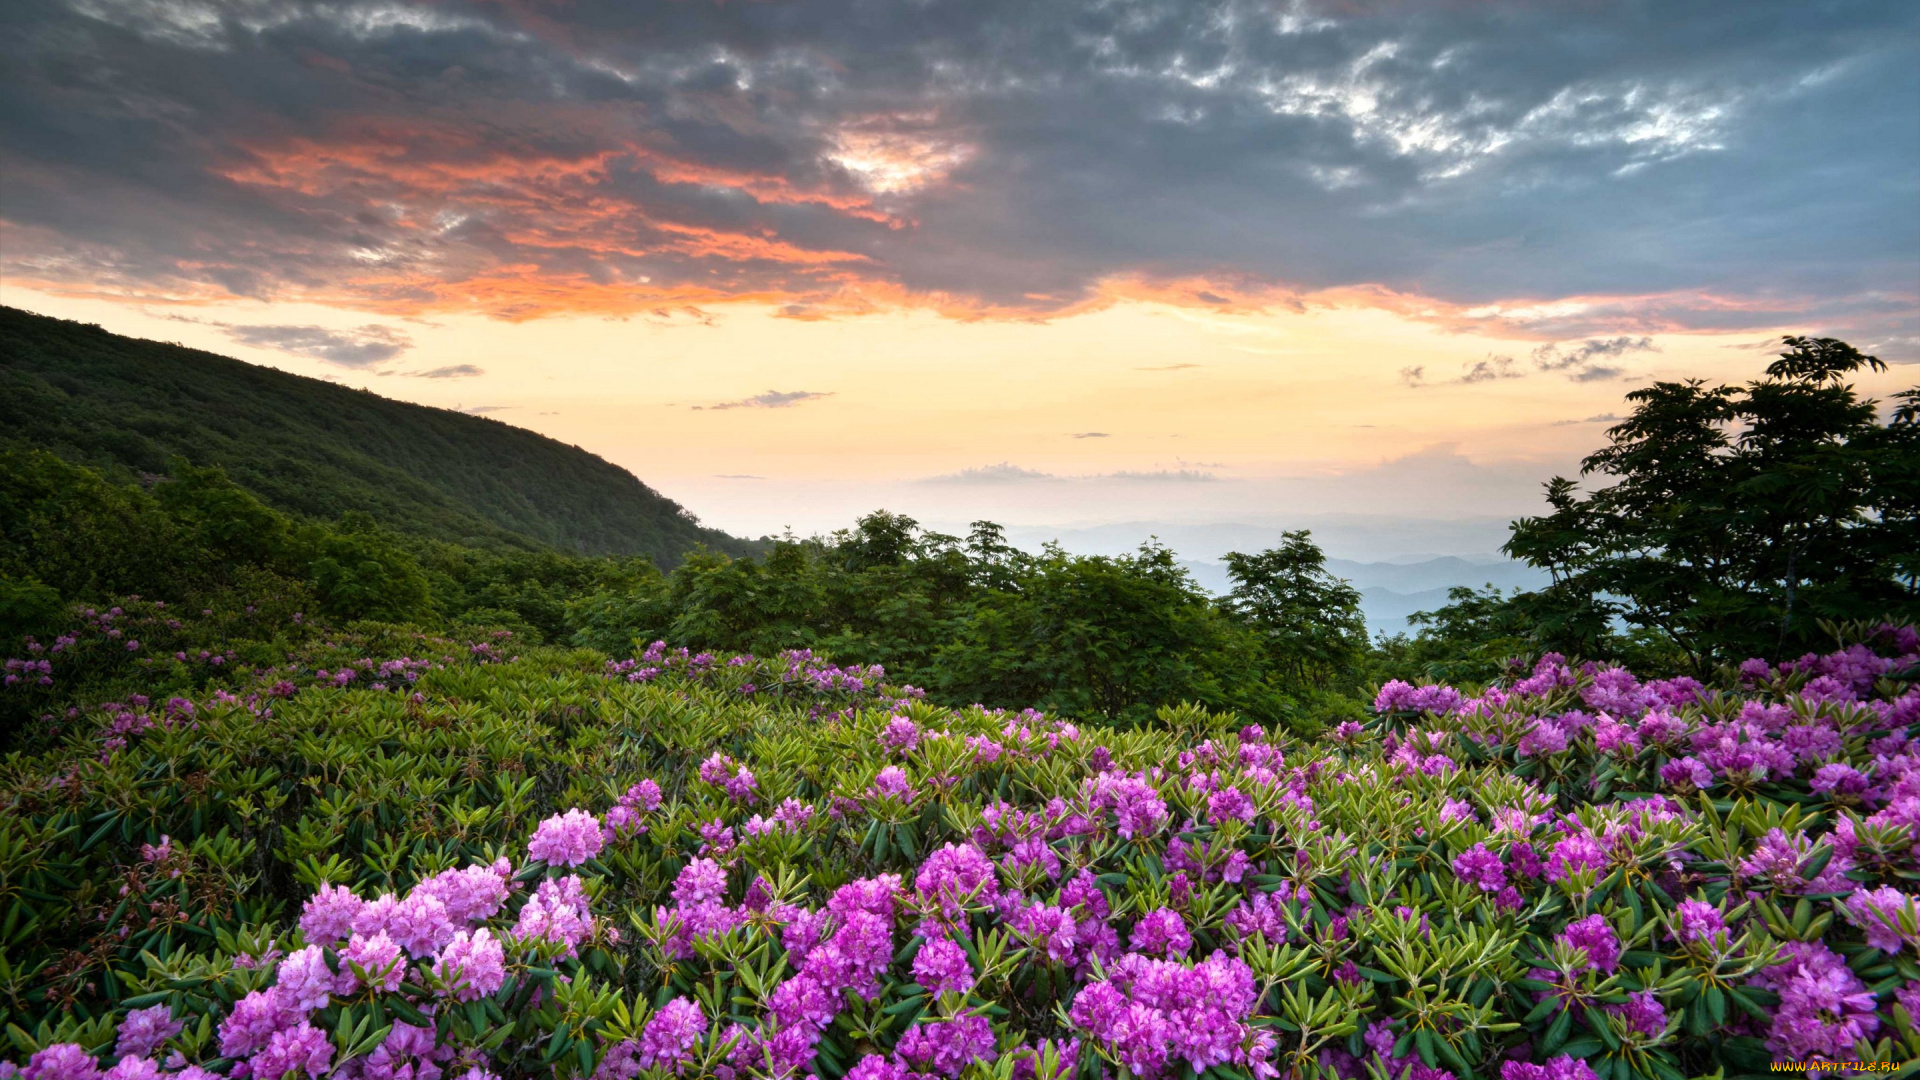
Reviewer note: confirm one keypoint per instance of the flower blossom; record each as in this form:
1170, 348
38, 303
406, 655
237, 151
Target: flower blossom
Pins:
567, 839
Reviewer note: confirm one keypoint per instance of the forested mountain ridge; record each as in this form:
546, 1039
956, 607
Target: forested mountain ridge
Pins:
319, 450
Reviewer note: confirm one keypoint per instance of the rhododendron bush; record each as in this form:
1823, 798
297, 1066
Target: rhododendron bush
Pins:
545, 864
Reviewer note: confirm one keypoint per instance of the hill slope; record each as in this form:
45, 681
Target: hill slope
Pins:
312, 448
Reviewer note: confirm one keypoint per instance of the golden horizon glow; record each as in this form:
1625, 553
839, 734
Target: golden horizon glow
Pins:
1241, 406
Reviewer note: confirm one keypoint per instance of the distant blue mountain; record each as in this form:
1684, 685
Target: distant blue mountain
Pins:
1389, 592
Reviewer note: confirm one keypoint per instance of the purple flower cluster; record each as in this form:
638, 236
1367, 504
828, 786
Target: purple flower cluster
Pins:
945, 1047
943, 967
1481, 867
558, 913
1644, 1016
1889, 917
900, 736
1560, 1068
1780, 860
1139, 811
626, 816
1401, 697
1824, 1007
671, 1035
953, 877
472, 964
1161, 932
567, 839
731, 777
1699, 923
1594, 936
891, 783
1152, 1013
145, 1031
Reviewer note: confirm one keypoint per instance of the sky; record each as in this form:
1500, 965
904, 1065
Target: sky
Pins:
1051, 262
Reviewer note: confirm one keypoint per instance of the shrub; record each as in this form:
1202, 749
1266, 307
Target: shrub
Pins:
401, 852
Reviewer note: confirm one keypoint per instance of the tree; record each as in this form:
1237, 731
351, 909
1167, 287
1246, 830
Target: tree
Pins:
87, 537
221, 517
360, 573
1096, 636
1741, 516
1307, 620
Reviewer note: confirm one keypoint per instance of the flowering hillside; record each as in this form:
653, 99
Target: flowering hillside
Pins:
470, 861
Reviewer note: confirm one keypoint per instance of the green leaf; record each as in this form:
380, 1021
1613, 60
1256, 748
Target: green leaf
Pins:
1583, 1047
1557, 1032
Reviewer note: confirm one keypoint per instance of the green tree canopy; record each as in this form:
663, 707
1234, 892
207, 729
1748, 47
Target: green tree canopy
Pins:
1308, 621
1740, 516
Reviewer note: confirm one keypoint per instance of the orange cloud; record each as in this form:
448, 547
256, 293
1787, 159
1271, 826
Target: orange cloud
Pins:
585, 212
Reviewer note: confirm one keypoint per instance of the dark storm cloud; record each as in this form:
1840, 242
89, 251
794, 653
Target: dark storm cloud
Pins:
1667, 166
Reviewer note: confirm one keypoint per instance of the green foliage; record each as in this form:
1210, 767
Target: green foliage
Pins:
1309, 621
27, 606
1112, 639
527, 591
148, 860
216, 515
73, 540
317, 451
359, 574
1740, 517
1097, 636
80, 535
975, 620
1480, 635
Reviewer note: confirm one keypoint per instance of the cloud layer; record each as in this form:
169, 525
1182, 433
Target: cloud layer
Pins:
772, 399
1547, 170
1006, 473
1592, 360
361, 348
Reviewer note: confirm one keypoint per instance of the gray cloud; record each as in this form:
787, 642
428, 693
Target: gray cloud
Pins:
1488, 370
1597, 373
1089, 435
1493, 367
1581, 363
1550, 358
451, 371
772, 399
1674, 166
1160, 476
482, 410
362, 348
1598, 418
1005, 473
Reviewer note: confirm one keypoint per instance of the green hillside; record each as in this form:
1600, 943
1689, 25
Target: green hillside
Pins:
320, 450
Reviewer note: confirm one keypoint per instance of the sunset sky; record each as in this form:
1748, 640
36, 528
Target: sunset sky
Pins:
1047, 261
